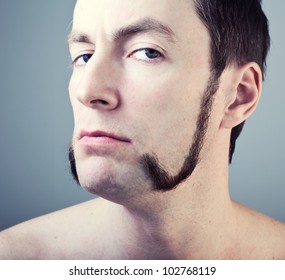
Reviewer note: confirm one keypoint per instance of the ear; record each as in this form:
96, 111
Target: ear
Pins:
244, 96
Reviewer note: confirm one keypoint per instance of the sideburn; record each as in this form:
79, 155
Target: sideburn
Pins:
161, 179
72, 164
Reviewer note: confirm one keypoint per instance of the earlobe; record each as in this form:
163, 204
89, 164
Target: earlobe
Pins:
247, 91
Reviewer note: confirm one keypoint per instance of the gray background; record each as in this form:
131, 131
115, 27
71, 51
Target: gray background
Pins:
36, 119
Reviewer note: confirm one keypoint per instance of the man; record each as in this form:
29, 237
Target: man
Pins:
160, 91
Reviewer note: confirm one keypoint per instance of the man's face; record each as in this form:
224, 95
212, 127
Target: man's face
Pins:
141, 69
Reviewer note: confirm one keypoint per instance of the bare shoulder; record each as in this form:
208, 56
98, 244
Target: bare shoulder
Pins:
264, 235
59, 235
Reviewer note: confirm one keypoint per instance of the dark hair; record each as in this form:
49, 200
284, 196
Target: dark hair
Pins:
239, 34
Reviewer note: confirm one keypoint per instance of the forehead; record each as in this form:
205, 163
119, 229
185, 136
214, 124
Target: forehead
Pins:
95, 16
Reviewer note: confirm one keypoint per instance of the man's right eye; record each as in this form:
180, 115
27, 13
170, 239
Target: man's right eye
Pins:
82, 60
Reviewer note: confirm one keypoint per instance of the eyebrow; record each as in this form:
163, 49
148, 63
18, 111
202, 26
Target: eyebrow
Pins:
144, 25
78, 37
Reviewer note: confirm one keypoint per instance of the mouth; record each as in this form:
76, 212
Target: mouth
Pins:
102, 137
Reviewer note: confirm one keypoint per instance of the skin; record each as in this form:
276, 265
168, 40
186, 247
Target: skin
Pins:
155, 105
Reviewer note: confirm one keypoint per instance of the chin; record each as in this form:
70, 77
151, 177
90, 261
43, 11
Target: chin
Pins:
111, 180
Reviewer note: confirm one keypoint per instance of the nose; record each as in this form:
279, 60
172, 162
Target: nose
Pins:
97, 84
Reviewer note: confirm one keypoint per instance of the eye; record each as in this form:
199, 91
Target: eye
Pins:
146, 55
82, 59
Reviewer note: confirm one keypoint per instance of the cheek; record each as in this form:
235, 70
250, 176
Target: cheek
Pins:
163, 99
72, 89
166, 108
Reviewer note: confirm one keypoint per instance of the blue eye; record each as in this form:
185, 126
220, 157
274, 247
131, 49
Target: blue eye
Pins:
146, 54
151, 53
82, 59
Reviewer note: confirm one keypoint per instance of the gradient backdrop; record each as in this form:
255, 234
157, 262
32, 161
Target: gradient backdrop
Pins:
36, 119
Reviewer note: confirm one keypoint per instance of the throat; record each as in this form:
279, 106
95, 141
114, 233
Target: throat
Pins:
179, 233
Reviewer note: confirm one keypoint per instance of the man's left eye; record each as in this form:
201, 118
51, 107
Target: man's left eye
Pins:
146, 54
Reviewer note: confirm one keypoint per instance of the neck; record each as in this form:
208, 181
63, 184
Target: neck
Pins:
187, 223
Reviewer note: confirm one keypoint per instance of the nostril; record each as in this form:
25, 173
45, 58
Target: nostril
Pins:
111, 102
99, 101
